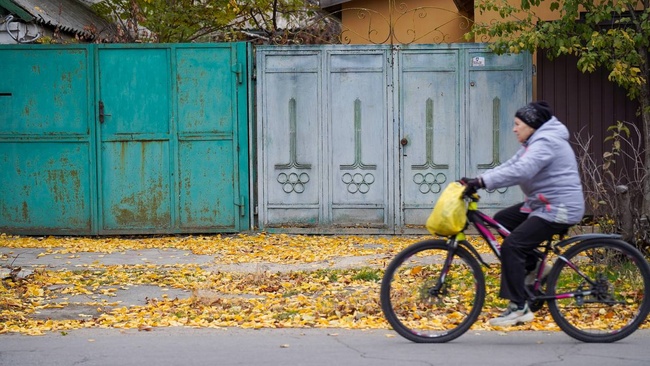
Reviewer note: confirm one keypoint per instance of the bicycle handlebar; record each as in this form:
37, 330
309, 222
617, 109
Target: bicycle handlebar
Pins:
470, 192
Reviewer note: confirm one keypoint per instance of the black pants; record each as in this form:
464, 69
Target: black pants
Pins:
517, 257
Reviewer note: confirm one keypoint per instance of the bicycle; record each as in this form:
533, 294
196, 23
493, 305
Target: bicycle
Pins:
597, 290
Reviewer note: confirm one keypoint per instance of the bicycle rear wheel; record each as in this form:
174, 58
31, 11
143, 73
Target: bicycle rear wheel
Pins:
610, 307
425, 307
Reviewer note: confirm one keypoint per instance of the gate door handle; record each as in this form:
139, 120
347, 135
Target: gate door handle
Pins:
101, 112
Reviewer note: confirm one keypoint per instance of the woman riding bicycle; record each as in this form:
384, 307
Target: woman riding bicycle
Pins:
546, 169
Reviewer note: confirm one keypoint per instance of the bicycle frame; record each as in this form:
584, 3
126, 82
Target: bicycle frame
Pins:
483, 223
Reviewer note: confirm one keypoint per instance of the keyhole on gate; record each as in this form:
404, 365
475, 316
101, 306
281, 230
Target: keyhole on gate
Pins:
404, 141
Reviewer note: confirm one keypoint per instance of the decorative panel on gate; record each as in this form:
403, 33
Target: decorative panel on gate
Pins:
358, 139
496, 87
323, 134
291, 147
429, 111
366, 137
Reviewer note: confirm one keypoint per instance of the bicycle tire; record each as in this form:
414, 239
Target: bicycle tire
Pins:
619, 302
414, 311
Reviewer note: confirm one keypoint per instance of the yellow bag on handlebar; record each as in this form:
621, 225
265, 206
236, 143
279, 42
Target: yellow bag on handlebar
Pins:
449, 214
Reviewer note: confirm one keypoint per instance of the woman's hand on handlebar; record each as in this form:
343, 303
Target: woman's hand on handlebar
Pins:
471, 184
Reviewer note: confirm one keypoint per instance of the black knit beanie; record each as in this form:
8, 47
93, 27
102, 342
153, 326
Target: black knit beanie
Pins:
535, 114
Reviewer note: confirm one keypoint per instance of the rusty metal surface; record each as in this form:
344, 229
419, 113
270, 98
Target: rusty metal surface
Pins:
112, 139
45, 140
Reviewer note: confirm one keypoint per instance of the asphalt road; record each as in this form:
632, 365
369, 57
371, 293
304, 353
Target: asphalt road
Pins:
313, 347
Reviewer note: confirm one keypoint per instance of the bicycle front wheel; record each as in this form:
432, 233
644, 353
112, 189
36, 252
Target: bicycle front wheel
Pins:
605, 297
430, 298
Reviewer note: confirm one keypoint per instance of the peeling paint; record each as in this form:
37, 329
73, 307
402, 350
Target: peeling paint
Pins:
140, 210
25, 211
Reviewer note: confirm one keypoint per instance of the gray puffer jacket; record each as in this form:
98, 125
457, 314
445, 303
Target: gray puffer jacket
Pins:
546, 169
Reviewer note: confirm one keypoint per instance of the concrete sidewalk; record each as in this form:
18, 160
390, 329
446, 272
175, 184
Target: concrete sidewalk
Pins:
31, 259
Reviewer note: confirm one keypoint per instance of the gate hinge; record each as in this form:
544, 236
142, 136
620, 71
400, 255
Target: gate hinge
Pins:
239, 70
241, 203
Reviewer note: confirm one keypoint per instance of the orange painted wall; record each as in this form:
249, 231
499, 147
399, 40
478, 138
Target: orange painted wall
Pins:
413, 21
543, 12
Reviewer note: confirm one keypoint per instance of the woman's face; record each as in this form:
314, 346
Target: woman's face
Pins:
522, 130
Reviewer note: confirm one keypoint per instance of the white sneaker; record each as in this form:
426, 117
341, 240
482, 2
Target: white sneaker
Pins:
532, 275
513, 316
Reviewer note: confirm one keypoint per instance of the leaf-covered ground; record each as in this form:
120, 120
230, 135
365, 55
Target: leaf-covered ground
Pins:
326, 296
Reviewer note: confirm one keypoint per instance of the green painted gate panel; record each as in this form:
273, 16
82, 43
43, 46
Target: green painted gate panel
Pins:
45, 186
208, 81
111, 139
135, 180
43, 91
136, 186
46, 147
206, 187
174, 138
134, 86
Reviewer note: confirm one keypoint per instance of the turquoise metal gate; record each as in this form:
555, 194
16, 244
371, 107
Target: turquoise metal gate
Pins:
145, 139
46, 140
136, 138
363, 138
